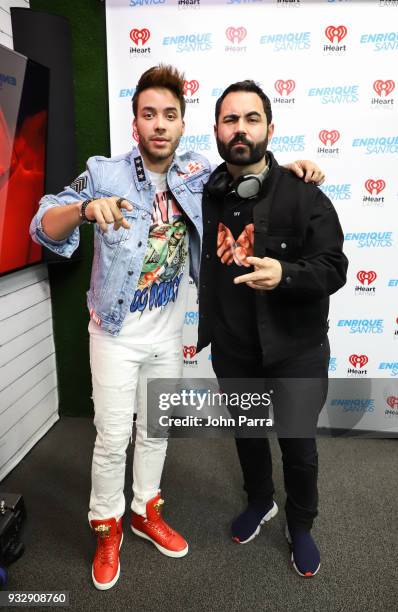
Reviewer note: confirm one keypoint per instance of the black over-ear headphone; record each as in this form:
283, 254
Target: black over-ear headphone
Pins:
245, 187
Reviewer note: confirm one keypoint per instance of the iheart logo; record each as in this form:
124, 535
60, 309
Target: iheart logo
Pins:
189, 351
284, 88
358, 360
140, 35
191, 87
392, 401
336, 32
373, 186
384, 87
329, 137
236, 34
363, 276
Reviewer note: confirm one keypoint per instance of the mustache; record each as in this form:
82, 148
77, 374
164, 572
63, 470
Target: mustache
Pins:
239, 138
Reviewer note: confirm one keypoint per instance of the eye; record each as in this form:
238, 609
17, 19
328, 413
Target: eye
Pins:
171, 116
148, 115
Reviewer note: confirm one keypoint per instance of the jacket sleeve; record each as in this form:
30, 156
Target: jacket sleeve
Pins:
82, 188
322, 267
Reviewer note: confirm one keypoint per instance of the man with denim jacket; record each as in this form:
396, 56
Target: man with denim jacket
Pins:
146, 206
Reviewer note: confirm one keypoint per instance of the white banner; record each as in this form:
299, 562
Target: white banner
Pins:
330, 70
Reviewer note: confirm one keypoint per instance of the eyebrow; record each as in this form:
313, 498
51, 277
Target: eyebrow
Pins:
152, 108
235, 115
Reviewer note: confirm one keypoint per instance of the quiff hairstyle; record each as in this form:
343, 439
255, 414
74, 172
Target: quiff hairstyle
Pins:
161, 76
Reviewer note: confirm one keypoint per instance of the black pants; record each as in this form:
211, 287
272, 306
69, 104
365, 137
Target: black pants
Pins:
299, 454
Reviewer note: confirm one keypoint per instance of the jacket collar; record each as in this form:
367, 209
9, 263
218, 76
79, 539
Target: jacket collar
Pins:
183, 167
140, 174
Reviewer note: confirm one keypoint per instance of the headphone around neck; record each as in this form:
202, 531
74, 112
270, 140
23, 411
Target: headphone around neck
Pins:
245, 187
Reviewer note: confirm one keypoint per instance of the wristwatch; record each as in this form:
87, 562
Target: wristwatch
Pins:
82, 212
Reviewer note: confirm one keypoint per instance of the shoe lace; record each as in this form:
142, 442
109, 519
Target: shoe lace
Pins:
160, 524
106, 545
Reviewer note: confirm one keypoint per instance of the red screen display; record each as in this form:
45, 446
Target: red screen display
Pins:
23, 129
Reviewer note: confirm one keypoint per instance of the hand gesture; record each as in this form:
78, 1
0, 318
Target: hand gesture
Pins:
108, 210
266, 276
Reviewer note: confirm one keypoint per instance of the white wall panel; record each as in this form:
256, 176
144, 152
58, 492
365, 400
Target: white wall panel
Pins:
27, 432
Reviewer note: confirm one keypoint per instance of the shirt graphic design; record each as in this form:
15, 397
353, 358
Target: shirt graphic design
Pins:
236, 251
165, 257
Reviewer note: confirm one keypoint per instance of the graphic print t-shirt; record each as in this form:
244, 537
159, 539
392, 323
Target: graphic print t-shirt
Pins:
157, 308
235, 316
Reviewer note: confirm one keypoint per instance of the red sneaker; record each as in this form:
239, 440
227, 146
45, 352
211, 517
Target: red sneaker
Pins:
157, 531
106, 567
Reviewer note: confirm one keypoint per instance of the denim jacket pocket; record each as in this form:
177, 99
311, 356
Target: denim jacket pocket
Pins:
196, 185
113, 237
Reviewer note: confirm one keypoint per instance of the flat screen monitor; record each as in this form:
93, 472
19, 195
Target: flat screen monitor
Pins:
24, 86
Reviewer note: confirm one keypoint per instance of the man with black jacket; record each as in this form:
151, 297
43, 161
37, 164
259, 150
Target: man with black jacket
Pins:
270, 323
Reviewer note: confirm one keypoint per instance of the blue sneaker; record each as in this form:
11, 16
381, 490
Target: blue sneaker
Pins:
305, 557
248, 524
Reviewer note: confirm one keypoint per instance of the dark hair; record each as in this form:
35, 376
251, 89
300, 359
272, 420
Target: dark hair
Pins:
161, 76
250, 86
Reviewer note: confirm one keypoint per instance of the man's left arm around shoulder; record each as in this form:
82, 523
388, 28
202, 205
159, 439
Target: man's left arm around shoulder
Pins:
302, 168
320, 271
307, 170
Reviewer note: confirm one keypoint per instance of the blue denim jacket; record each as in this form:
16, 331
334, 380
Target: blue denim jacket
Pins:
119, 255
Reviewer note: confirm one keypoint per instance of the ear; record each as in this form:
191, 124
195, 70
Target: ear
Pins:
134, 123
271, 128
215, 130
183, 126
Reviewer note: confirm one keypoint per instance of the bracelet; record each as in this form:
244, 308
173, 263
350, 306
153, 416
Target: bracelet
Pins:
82, 212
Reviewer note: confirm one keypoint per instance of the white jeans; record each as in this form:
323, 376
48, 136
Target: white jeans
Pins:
119, 369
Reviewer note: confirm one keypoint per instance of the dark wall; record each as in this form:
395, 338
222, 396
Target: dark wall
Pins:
69, 281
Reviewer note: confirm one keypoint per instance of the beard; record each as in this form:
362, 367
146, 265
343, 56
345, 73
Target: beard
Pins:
242, 156
156, 155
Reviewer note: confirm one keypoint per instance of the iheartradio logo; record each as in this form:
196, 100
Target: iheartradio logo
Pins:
329, 138
384, 88
358, 361
140, 35
392, 401
285, 88
189, 351
368, 277
375, 186
336, 33
236, 34
191, 87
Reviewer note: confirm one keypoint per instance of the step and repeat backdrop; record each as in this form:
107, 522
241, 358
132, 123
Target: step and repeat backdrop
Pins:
330, 69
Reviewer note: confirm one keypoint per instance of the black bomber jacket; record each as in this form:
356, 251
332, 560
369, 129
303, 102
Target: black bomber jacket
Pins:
295, 223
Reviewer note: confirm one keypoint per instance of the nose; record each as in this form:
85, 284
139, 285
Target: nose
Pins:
160, 123
240, 126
